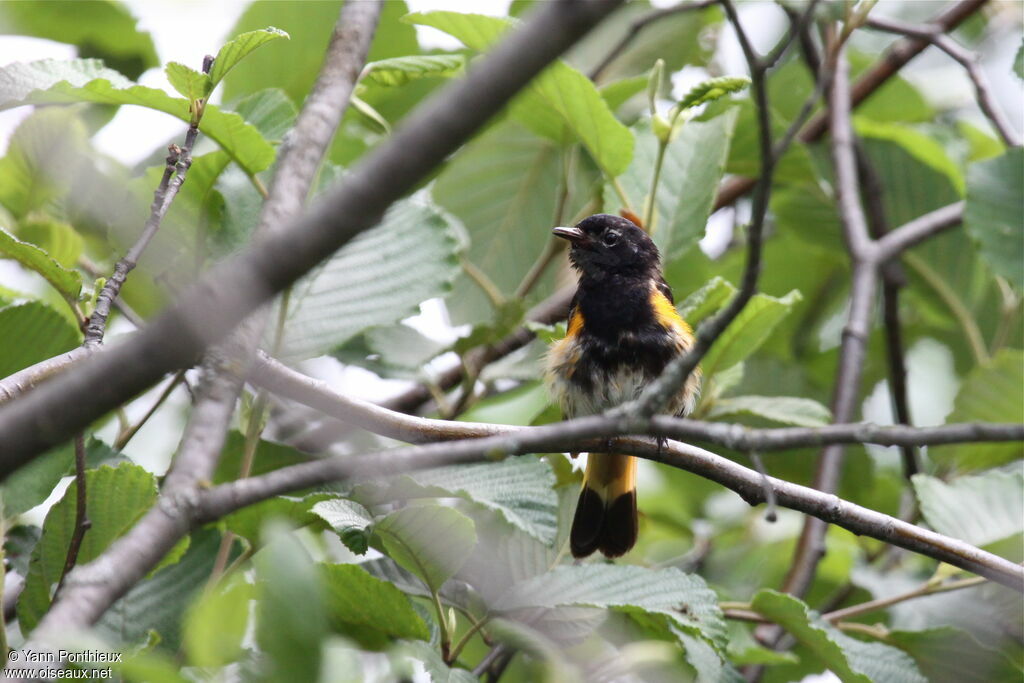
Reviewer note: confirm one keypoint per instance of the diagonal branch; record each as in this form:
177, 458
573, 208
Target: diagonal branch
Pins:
233, 289
125, 562
936, 36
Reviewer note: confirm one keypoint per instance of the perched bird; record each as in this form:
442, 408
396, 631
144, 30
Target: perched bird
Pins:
623, 329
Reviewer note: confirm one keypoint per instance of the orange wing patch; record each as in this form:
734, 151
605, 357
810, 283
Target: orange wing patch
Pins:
666, 313
575, 324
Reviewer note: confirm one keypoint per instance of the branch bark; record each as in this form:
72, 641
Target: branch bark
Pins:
226, 364
233, 289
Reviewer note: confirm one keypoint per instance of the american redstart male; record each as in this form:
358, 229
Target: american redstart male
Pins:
623, 329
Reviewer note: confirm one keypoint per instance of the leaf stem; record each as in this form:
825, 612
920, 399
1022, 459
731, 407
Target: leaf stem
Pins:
928, 588
457, 649
442, 623
482, 281
617, 186
652, 195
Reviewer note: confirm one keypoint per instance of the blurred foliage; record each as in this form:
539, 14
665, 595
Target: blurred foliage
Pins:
423, 573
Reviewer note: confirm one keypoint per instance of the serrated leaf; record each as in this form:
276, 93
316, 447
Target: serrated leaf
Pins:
988, 394
713, 89
291, 614
376, 279
67, 282
951, 655
270, 111
684, 598
237, 48
430, 541
992, 215
692, 169
923, 148
500, 187
980, 509
350, 520
368, 609
189, 83
57, 238
560, 90
706, 300
748, 331
401, 70
33, 332
52, 81
803, 412
853, 661
216, 623
116, 498
519, 489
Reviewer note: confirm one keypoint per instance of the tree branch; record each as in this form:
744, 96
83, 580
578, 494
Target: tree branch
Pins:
227, 363
893, 243
935, 35
811, 544
639, 24
233, 289
675, 374
894, 59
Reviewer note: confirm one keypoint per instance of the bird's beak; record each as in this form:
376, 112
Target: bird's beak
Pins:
574, 235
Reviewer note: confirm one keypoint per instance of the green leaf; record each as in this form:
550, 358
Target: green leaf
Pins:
216, 623
433, 665
981, 144
1018, 62
748, 331
853, 661
706, 300
33, 332
117, 497
57, 238
106, 30
476, 31
350, 520
269, 457
692, 169
519, 489
236, 49
566, 92
391, 351
950, 655
291, 613
519, 406
995, 194
378, 278
368, 609
988, 394
713, 89
431, 541
979, 509
293, 65
191, 84
684, 598
559, 89
792, 410
923, 148
270, 111
500, 187
51, 81
67, 282
617, 93
401, 70
895, 100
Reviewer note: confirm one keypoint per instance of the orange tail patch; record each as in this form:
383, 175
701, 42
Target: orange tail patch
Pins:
606, 517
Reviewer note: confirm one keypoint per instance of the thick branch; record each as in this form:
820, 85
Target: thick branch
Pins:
283, 381
227, 363
233, 289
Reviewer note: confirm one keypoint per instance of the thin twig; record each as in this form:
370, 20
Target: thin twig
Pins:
678, 371
936, 35
639, 25
82, 522
125, 436
926, 589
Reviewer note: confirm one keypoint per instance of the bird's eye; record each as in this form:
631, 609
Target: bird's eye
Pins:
610, 239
